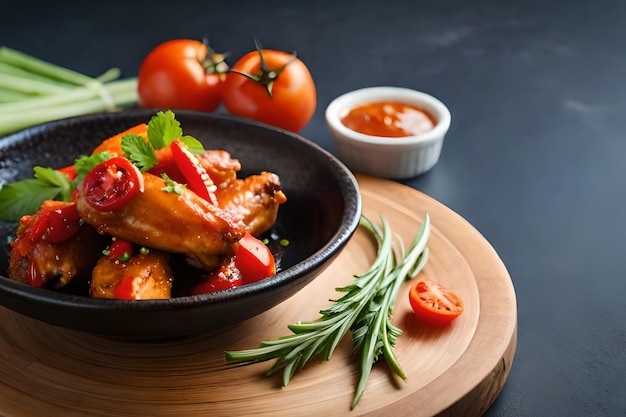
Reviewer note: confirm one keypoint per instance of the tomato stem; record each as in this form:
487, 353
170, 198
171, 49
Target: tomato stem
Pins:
214, 63
266, 76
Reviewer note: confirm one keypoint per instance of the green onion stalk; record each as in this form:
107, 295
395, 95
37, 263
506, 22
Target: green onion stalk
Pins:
33, 91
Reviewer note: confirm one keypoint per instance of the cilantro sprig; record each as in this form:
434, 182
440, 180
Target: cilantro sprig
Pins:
365, 309
163, 129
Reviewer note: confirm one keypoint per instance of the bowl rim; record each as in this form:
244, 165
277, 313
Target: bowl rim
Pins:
21, 292
345, 102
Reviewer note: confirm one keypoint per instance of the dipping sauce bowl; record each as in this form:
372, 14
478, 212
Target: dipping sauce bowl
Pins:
388, 132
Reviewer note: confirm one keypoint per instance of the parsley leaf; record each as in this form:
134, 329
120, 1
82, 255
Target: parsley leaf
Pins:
171, 185
194, 145
25, 197
140, 152
163, 129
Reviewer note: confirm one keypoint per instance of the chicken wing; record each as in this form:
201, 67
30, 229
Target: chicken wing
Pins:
39, 262
220, 166
254, 200
178, 222
142, 277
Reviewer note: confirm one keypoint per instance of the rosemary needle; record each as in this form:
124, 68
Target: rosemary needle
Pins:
365, 309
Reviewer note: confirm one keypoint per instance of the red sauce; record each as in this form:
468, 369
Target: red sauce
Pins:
389, 119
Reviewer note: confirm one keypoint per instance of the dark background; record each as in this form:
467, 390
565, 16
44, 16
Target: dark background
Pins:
534, 157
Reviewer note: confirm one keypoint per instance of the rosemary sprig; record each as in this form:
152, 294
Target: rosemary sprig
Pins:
365, 309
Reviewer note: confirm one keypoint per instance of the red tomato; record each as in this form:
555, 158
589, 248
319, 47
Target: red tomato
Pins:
126, 288
197, 178
225, 277
254, 259
120, 250
181, 74
55, 223
272, 87
111, 184
434, 304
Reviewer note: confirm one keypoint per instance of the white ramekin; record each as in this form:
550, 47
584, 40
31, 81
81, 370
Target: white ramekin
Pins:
393, 158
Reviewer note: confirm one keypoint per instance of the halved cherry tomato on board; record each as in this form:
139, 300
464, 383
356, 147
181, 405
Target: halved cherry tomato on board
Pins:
182, 74
272, 87
197, 178
112, 183
254, 259
434, 304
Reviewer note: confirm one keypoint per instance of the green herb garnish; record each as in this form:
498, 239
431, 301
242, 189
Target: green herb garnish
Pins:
163, 129
25, 197
171, 186
140, 152
365, 309
85, 164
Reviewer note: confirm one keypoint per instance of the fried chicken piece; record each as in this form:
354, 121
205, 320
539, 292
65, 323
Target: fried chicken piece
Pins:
220, 166
142, 277
36, 261
254, 200
179, 223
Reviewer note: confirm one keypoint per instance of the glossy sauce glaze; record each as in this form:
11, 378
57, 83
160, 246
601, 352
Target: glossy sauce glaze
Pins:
389, 119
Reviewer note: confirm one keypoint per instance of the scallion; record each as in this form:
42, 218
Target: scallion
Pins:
33, 91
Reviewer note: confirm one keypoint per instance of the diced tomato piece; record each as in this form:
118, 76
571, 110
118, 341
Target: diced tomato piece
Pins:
254, 259
225, 277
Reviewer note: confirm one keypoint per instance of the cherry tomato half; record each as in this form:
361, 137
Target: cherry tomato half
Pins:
254, 259
434, 304
112, 183
273, 87
197, 178
181, 74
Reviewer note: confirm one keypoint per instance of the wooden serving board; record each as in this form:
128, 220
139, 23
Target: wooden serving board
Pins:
457, 370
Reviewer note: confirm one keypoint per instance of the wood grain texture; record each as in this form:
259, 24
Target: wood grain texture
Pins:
458, 370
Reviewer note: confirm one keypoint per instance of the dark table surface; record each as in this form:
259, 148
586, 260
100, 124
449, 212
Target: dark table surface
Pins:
534, 158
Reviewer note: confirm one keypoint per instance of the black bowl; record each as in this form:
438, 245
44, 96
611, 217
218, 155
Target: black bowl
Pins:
320, 216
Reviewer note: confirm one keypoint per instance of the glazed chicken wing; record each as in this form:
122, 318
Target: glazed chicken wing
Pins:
173, 222
254, 200
38, 261
142, 277
220, 166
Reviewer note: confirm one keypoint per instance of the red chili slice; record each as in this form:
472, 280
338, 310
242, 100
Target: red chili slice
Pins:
198, 179
111, 184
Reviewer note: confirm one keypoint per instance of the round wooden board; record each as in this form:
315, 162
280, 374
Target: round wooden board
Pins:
457, 370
